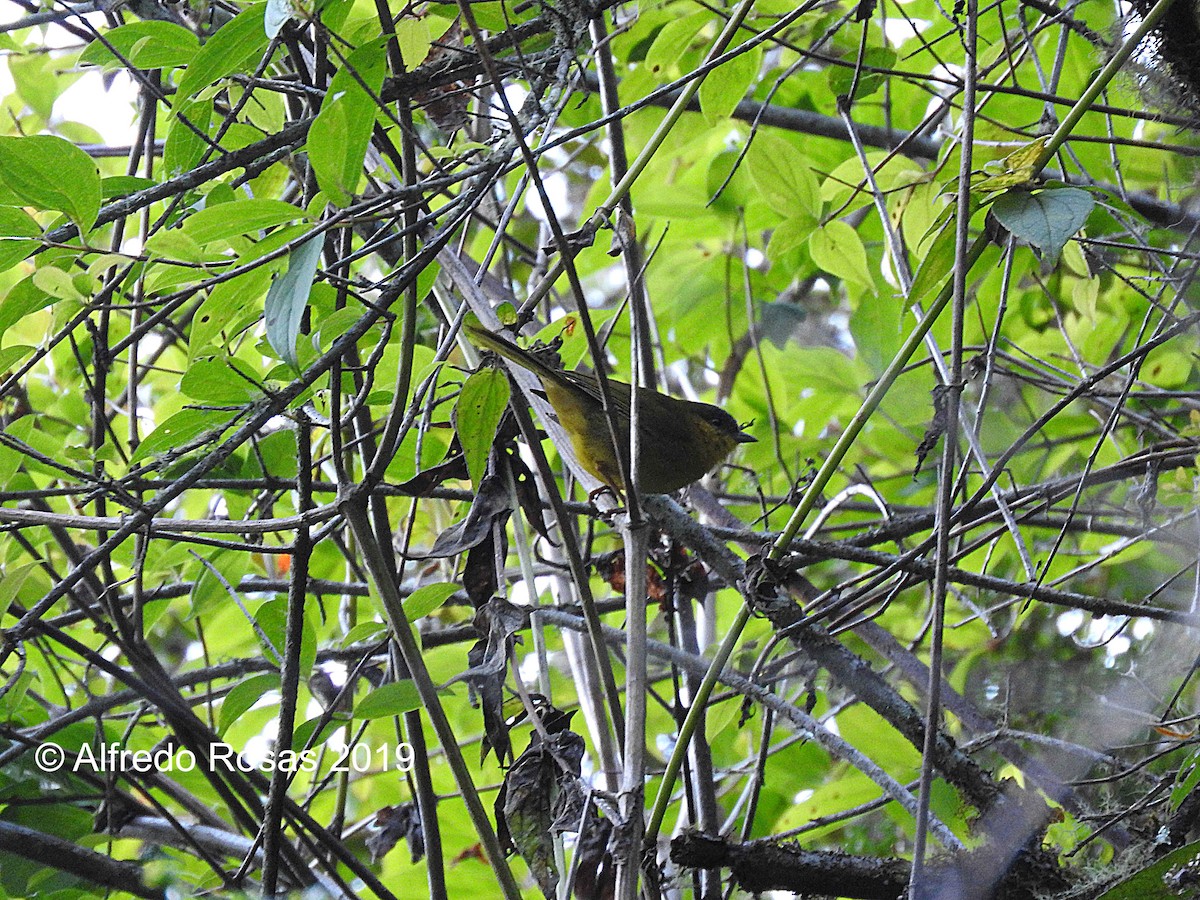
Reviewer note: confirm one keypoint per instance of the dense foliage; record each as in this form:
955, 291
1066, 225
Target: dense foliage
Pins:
288, 581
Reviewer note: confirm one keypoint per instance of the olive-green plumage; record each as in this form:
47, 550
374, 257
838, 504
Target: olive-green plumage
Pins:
679, 440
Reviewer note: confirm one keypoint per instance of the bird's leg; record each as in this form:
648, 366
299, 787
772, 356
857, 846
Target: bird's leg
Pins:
612, 492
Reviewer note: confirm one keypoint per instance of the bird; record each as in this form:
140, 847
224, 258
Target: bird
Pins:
679, 440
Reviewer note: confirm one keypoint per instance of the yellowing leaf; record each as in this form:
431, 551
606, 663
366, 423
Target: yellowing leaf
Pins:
838, 250
783, 176
724, 88
1019, 167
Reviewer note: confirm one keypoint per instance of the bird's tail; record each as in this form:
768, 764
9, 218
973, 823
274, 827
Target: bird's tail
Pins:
502, 346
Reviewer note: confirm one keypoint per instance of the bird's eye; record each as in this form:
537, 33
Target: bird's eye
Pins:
720, 420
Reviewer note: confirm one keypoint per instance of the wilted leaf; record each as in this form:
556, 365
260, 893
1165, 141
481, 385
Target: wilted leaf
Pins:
490, 504
497, 621
596, 875
487, 692
539, 791
393, 824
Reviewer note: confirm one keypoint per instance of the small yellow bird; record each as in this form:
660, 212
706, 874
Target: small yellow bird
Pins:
679, 440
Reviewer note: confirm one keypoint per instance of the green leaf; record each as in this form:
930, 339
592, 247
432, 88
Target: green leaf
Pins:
790, 234
427, 598
1017, 168
185, 148
226, 220
47, 172
115, 186
288, 297
11, 583
935, 267
16, 224
243, 696
1186, 780
174, 244
48, 442
496, 17
1046, 219
1167, 368
303, 735
725, 87
209, 592
39, 79
148, 45
230, 50
782, 176
335, 324
363, 631
841, 78
22, 300
10, 356
58, 284
388, 700
837, 249
845, 187
1152, 882
271, 619
415, 37
481, 403
875, 325
181, 429
337, 140
671, 42
217, 381
274, 455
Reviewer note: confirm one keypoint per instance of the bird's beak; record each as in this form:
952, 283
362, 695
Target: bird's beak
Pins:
742, 438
